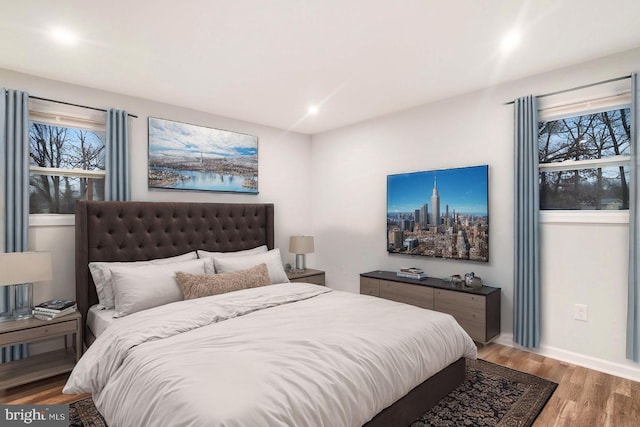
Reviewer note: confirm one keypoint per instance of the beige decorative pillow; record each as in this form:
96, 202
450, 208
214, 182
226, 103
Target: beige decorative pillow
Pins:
198, 286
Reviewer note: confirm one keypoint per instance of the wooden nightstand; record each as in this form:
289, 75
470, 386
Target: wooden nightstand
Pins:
307, 276
42, 365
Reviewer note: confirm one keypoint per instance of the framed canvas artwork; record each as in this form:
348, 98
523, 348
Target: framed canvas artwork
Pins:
439, 213
188, 157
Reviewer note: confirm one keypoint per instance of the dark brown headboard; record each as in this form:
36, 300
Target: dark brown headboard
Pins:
140, 231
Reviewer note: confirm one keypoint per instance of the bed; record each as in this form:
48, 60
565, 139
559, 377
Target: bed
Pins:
320, 333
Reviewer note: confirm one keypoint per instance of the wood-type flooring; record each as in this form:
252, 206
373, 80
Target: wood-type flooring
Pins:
584, 397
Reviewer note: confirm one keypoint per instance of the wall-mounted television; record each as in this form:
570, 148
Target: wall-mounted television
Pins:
439, 213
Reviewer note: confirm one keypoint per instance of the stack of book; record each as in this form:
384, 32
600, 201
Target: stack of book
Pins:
412, 273
51, 309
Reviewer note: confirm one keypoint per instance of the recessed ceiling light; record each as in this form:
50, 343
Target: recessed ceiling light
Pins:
510, 41
64, 36
313, 109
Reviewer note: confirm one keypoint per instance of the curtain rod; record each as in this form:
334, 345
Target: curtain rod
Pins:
615, 79
75, 105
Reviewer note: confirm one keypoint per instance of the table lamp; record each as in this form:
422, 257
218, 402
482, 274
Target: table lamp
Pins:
301, 245
18, 270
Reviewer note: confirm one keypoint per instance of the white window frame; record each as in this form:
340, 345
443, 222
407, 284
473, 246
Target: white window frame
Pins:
59, 114
595, 99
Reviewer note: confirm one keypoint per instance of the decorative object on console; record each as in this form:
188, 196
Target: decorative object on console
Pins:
472, 281
412, 273
468, 277
18, 269
301, 245
452, 223
189, 157
455, 280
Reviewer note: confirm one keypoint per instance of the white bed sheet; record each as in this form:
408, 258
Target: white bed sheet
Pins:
282, 355
99, 318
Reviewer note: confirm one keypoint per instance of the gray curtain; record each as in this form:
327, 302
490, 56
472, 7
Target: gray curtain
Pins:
633, 301
117, 185
14, 155
526, 316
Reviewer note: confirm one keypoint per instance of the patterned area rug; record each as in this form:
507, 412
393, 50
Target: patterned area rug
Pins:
491, 395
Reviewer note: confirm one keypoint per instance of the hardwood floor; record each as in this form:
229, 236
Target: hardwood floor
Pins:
583, 398
47, 391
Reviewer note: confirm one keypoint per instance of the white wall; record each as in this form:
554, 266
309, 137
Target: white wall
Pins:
583, 264
334, 187
284, 172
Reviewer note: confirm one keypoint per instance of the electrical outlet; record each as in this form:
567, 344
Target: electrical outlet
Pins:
580, 312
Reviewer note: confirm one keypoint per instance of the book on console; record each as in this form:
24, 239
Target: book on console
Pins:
412, 270
55, 305
46, 315
418, 276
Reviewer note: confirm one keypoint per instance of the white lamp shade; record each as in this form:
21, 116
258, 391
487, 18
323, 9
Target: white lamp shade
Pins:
24, 267
301, 244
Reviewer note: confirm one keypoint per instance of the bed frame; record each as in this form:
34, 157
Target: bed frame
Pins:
140, 231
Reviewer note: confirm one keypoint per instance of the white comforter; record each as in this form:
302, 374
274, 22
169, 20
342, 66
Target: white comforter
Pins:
282, 355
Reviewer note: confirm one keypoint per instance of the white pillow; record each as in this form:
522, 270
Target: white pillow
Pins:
102, 275
147, 286
257, 250
271, 258
206, 254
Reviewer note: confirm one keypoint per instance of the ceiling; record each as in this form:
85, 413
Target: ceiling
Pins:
266, 62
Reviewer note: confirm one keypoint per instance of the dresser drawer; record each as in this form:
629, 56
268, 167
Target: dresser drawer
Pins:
370, 286
39, 332
420, 296
477, 330
459, 301
469, 310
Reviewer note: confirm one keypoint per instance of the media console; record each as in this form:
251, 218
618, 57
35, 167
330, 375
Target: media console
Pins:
476, 310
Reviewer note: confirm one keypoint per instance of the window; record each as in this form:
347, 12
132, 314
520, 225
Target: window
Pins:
584, 154
584, 161
67, 147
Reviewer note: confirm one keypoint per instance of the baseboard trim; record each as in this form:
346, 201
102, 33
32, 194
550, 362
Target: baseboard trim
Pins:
620, 370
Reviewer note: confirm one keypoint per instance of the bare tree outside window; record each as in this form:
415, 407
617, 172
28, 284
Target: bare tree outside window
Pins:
583, 161
69, 150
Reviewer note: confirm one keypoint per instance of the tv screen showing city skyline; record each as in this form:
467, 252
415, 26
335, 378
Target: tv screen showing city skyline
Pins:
439, 213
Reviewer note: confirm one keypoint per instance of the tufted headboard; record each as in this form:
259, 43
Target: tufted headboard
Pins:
140, 231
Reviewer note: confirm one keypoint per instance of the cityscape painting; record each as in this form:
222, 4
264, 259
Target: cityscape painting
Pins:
190, 157
439, 213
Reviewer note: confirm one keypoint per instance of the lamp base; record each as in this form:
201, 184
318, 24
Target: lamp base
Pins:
23, 313
300, 262
7, 316
11, 316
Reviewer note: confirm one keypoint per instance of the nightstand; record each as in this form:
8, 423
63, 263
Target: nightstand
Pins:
307, 276
43, 365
